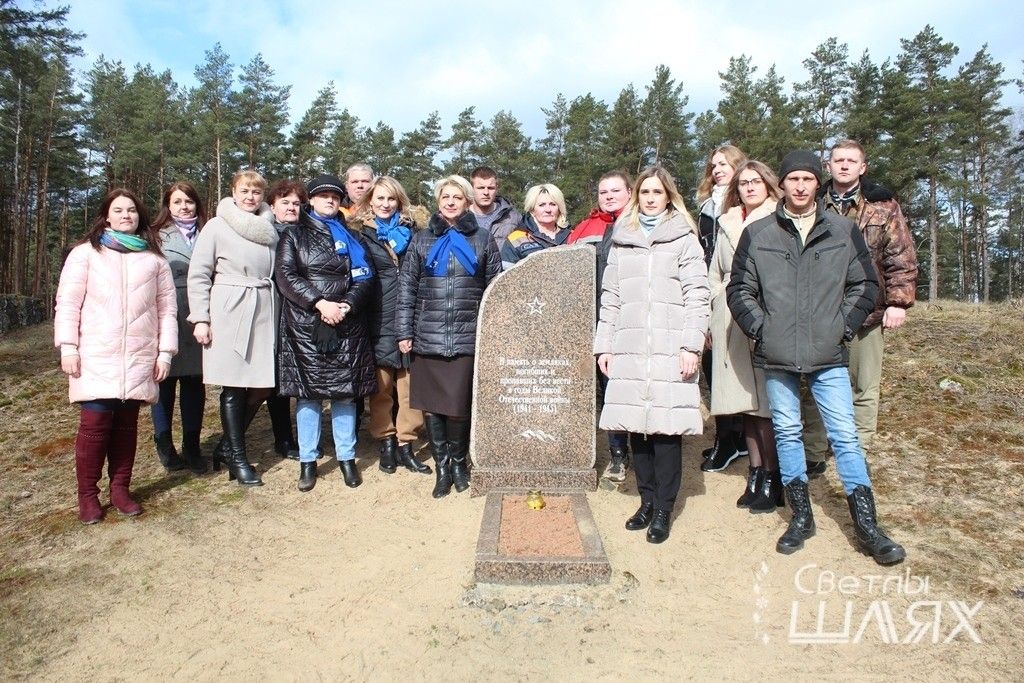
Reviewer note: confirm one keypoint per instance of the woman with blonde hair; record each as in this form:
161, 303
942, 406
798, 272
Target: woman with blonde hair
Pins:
382, 216
650, 336
739, 387
718, 173
544, 225
442, 281
232, 308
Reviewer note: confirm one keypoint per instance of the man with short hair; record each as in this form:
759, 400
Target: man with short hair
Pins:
878, 215
493, 213
801, 285
358, 178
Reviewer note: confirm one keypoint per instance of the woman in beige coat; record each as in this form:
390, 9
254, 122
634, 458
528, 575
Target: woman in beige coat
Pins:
738, 388
654, 315
231, 301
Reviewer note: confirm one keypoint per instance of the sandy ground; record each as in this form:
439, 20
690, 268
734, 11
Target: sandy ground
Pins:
216, 582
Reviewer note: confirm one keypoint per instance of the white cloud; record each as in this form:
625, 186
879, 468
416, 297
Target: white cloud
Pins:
397, 61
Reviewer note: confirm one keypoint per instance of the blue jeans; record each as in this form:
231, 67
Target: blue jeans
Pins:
343, 424
834, 398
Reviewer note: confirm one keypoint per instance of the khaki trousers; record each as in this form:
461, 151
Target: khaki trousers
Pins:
383, 423
865, 379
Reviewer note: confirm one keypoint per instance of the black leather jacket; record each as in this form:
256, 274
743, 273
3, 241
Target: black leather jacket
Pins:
307, 270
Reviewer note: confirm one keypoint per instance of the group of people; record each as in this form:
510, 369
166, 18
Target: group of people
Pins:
329, 291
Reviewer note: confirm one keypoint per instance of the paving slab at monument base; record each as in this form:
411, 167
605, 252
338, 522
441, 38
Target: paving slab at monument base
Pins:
555, 545
486, 479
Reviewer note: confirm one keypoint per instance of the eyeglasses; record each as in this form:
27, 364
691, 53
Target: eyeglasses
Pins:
753, 182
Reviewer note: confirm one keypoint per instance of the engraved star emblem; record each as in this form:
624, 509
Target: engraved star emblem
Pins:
536, 306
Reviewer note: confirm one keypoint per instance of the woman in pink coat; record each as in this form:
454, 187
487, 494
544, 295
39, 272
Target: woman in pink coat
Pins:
116, 326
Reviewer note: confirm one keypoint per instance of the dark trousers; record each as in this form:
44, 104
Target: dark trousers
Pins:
280, 409
193, 400
658, 464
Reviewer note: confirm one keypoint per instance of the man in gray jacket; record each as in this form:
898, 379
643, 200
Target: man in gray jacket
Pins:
802, 285
493, 213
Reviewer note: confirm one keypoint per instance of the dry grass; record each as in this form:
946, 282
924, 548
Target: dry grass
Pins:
948, 465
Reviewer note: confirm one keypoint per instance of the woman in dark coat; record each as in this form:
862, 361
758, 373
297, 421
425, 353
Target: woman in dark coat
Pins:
181, 218
442, 280
326, 280
382, 214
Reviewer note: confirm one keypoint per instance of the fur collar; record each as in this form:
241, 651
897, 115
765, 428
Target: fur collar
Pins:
256, 227
732, 223
465, 223
870, 190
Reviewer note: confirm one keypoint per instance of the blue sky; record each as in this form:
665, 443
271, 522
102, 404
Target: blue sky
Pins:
397, 61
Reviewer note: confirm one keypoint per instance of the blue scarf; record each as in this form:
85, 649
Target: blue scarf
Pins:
393, 233
347, 245
452, 241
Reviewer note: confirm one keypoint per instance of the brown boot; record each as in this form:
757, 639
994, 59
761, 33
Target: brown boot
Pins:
124, 437
90, 453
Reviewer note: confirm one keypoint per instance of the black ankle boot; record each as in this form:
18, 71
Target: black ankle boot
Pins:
233, 414
165, 450
769, 493
458, 452
437, 432
754, 477
801, 525
388, 446
661, 523
307, 476
870, 536
708, 452
287, 448
350, 473
730, 447
641, 518
193, 453
408, 459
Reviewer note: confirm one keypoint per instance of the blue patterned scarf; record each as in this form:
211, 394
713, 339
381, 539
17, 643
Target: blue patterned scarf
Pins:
451, 242
345, 244
393, 233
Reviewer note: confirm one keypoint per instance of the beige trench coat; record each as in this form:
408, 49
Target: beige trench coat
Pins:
230, 287
654, 304
737, 386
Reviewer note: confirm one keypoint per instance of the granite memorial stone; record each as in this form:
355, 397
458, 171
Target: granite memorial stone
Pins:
533, 394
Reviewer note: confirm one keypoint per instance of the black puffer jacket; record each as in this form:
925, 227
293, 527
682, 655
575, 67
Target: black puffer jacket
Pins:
307, 270
801, 303
439, 313
385, 301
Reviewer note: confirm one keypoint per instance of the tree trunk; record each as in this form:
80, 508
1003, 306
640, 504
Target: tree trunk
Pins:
41, 275
933, 234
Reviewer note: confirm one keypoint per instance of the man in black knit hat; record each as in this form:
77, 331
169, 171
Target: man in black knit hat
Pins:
802, 284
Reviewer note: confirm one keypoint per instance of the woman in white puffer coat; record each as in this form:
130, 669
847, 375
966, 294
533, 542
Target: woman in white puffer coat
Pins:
650, 335
117, 330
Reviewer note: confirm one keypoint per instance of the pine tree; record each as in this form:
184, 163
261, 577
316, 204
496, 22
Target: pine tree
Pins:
821, 96
625, 138
310, 140
464, 143
417, 151
262, 117
216, 114
381, 149
585, 153
667, 136
504, 148
346, 146
923, 60
552, 147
